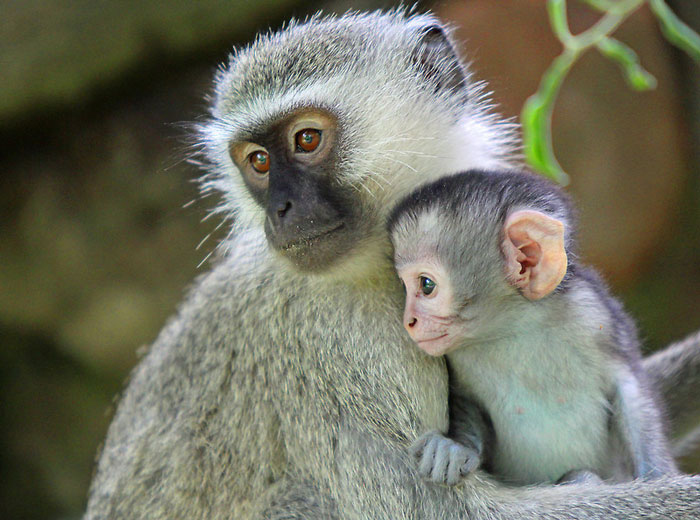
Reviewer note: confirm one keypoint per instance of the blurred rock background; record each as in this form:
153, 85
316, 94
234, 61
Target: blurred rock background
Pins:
98, 241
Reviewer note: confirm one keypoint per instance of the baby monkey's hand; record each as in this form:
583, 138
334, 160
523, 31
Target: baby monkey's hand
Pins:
443, 460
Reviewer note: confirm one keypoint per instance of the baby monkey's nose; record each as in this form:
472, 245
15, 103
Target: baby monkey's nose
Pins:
410, 320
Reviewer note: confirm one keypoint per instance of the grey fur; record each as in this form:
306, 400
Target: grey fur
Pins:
561, 377
675, 372
273, 394
578, 476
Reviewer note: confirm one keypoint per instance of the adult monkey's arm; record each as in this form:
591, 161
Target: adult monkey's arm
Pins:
383, 472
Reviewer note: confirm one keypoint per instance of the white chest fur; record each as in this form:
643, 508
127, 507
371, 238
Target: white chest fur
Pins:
547, 399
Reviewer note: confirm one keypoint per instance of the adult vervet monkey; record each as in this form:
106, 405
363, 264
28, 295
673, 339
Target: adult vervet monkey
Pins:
286, 387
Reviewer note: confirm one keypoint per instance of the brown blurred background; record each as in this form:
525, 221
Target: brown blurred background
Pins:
96, 245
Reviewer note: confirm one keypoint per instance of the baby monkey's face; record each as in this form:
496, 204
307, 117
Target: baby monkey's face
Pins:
430, 315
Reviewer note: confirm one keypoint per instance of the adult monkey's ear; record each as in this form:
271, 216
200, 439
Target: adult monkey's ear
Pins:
438, 59
534, 251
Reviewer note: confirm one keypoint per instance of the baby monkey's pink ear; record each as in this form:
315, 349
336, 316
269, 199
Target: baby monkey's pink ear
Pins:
535, 254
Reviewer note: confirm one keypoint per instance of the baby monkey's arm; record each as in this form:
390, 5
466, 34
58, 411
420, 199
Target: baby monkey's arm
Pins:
448, 459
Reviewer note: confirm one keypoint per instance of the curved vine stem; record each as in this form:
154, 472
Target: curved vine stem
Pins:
536, 115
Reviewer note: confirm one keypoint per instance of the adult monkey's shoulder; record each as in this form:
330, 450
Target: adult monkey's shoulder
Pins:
256, 377
194, 410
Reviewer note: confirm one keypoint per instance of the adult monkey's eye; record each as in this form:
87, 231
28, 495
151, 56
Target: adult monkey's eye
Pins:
307, 140
427, 286
260, 161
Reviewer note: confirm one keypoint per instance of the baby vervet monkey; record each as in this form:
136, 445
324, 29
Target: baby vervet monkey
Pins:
544, 364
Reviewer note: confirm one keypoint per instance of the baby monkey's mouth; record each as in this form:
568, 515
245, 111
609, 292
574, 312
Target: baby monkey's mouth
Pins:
428, 340
436, 345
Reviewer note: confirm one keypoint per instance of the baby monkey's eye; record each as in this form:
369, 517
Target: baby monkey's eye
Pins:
427, 286
260, 161
308, 140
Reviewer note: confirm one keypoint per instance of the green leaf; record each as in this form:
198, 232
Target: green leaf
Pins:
535, 119
678, 33
600, 5
636, 75
557, 19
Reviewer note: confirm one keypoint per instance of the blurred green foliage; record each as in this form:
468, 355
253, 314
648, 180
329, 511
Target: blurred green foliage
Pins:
537, 113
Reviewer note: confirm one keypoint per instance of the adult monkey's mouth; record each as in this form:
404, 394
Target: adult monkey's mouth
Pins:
304, 242
318, 250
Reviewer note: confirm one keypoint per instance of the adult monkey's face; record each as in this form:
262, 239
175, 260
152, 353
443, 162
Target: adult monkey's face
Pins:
318, 130
291, 168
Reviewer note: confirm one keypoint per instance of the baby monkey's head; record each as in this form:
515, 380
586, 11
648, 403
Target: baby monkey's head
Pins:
473, 249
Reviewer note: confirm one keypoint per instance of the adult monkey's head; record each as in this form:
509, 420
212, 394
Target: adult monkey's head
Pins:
318, 129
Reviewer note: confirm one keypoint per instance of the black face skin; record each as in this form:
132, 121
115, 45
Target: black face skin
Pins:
309, 217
